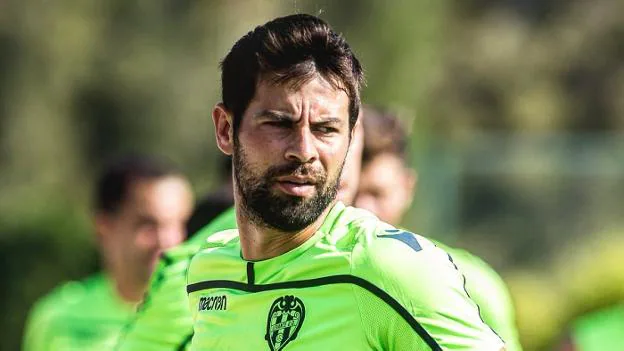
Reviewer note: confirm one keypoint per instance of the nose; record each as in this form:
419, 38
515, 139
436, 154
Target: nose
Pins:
302, 148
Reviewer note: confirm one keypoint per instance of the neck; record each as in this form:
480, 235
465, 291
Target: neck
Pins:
129, 292
127, 289
260, 242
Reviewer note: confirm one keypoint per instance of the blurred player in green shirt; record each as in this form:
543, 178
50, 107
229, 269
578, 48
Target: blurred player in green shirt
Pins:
387, 187
141, 207
601, 330
302, 271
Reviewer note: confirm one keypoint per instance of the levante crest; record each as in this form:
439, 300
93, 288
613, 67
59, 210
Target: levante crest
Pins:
285, 319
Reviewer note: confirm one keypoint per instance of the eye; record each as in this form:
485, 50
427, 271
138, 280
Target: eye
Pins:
146, 223
375, 193
326, 130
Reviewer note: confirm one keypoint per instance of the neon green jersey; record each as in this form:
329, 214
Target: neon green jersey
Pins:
489, 291
601, 330
163, 321
86, 315
356, 284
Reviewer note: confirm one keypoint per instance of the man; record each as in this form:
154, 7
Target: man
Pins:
386, 188
164, 321
141, 207
303, 271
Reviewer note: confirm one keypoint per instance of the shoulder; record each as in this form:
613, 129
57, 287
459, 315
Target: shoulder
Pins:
381, 246
425, 282
218, 250
379, 249
478, 272
62, 300
46, 315
177, 262
406, 261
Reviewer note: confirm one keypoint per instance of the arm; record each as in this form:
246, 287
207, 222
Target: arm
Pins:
488, 290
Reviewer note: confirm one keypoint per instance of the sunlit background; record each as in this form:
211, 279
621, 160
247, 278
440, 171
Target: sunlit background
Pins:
516, 111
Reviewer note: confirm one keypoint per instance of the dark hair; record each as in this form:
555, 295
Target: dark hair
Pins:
289, 50
383, 133
114, 183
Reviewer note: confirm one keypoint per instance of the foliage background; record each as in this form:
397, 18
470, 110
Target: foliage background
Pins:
516, 109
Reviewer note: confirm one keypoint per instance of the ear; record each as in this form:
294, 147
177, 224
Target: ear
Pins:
224, 129
102, 227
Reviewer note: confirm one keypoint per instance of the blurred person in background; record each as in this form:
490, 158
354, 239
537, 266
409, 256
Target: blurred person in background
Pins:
387, 186
601, 330
141, 207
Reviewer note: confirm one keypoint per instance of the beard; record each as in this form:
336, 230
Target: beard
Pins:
281, 211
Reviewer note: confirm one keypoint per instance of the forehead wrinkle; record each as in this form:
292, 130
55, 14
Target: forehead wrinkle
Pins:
315, 101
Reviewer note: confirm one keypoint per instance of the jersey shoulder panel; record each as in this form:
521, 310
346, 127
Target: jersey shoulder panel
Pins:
217, 253
425, 284
346, 228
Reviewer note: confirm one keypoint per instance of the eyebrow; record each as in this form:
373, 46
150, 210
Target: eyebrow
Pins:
329, 120
284, 116
276, 115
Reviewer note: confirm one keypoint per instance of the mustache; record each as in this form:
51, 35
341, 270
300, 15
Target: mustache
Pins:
295, 169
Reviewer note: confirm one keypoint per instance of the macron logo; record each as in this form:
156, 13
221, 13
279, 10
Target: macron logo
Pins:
210, 303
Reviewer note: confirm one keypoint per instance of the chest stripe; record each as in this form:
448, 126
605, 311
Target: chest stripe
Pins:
329, 280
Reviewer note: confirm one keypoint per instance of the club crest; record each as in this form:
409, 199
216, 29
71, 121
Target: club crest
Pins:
284, 321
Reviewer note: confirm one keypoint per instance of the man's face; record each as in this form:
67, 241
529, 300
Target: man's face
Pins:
386, 188
289, 153
151, 220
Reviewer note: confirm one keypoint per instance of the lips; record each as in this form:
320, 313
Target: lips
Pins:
296, 185
302, 180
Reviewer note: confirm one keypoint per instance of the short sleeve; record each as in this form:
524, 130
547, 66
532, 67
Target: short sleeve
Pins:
425, 289
490, 293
